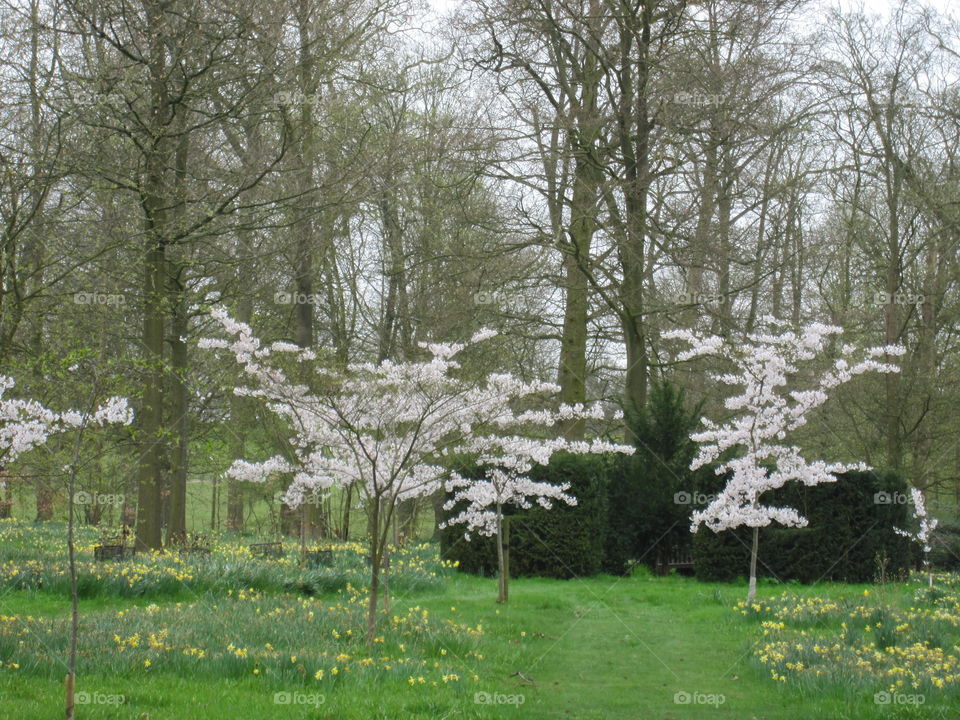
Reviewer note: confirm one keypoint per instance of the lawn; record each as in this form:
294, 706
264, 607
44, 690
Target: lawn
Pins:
603, 647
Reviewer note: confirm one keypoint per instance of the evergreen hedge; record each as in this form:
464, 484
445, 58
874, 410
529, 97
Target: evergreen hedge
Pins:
636, 509
850, 533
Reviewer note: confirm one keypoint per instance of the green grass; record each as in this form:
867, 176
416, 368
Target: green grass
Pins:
597, 648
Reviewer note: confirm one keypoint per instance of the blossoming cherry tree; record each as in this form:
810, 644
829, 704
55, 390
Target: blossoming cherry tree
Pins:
381, 428
765, 412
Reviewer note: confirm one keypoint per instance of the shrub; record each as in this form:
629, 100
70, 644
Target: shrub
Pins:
647, 491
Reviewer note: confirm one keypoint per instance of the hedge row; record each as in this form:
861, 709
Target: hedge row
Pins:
849, 537
636, 509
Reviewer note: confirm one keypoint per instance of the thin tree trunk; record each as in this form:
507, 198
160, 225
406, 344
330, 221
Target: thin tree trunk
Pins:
374, 571
501, 563
347, 502
70, 682
752, 591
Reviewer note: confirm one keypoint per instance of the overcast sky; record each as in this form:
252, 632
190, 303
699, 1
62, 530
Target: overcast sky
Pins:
871, 6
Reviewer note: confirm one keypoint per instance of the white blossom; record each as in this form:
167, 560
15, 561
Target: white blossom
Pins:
765, 415
26, 424
926, 525
384, 427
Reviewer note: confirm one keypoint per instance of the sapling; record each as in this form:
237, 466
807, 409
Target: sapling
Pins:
25, 425
506, 461
764, 414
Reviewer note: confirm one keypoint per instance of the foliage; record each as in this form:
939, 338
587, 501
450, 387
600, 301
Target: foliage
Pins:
26, 424
765, 413
748, 448
385, 428
32, 558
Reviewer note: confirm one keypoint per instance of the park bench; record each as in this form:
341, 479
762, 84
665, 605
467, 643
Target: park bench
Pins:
114, 547
112, 552
194, 545
319, 558
677, 559
272, 549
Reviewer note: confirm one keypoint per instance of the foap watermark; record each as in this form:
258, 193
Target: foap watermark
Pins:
887, 498
682, 697
296, 98
279, 497
497, 698
880, 298
98, 298
299, 698
288, 298
82, 497
98, 698
898, 698
698, 299
500, 299
93, 99
694, 498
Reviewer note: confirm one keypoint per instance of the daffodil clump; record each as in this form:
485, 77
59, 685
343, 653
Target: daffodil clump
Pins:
289, 639
878, 641
35, 558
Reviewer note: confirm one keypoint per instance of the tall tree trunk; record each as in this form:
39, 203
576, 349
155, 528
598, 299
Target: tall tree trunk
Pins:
700, 243
149, 478
180, 408
634, 133
572, 370
179, 329
891, 325
724, 209
155, 198
394, 304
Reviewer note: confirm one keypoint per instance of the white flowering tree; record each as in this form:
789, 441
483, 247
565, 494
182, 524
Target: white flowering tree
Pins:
507, 462
25, 425
385, 429
765, 412
925, 527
